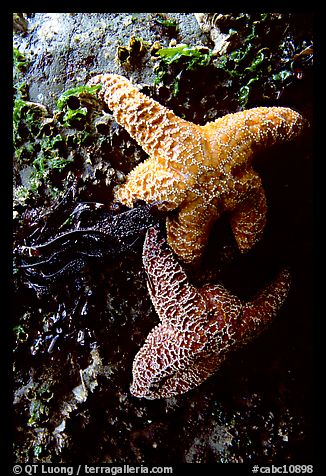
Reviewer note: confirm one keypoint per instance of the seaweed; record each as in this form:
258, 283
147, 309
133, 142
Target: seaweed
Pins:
264, 57
43, 142
38, 407
263, 64
180, 58
20, 61
195, 54
75, 92
163, 20
75, 117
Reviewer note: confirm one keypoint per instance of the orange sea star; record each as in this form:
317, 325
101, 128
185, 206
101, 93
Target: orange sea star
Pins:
199, 326
198, 171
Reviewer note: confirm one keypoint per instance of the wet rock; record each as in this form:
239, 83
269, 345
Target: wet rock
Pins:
66, 47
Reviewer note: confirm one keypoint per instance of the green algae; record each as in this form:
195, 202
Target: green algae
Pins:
163, 20
193, 55
49, 155
75, 92
259, 63
38, 413
182, 57
73, 117
43, 142
37, 450
20, 61
44, 153
20, 333
38, 408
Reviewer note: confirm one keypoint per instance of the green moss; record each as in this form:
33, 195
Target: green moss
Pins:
257, 64
27, 118
260, 64
43, 152
21, 90
49, 157
63, 99
47, 152
244, 91
193, 55
54, 192
74, 116
43, 164
163, 20
37, 450
282, 76
181, 57
20, 333
38, 408
45, 393
19, 60
38, 412
19, 104
21, 194
44, 143
81, 138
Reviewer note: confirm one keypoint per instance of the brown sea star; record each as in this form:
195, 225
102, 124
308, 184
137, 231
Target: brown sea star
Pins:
198, 171
199, 326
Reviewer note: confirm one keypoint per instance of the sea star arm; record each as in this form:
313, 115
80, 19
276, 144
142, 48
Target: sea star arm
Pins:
198, 328
170, 291
173, 361
161, 364
143, 177
259, 312
249, 218
243, 321
187, 230
162, 369
212, 162
233, 138
182, 381
157, 130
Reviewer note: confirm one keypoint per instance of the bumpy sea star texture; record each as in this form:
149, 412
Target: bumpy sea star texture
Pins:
198, 171
199, 326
